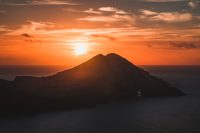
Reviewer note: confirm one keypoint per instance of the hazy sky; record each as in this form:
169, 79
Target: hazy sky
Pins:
68, 32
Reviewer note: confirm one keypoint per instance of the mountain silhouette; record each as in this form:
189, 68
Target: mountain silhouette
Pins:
101, 79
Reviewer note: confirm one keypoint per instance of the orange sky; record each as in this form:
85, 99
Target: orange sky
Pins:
65, 32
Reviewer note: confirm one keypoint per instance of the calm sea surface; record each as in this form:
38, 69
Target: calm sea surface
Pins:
149, 115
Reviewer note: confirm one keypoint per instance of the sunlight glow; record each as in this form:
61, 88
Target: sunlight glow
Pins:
80, 49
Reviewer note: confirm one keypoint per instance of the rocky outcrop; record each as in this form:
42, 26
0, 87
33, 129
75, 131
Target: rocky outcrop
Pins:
99, 80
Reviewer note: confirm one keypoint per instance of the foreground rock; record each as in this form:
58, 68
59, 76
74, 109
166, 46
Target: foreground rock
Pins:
99, 80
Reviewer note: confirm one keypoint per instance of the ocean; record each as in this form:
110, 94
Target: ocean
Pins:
145, 115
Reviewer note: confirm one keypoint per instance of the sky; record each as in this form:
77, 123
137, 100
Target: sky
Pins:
69, 32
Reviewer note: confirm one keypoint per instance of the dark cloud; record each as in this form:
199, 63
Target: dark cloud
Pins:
30, 39
104, 36
26, 35
149, 45
185, 45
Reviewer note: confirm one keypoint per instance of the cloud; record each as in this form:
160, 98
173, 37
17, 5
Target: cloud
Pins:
104, 36
109, 18
37, 32
115, 15
3, 11
35, 2
30, 39
194, 4
173, 17
92, 11
41, 31
166, 16
148, 12
3, 28
46, 32
112, 9
32, 27
107, 9
26, 35
185, 45
102, 10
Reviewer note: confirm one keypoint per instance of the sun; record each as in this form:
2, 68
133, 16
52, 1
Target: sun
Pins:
80, 49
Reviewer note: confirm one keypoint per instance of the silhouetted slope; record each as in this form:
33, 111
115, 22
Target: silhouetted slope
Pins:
99, 80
